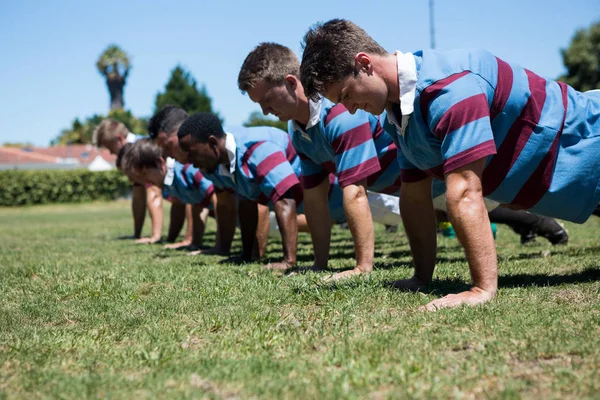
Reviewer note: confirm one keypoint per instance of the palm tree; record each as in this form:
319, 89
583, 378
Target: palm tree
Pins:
114, 65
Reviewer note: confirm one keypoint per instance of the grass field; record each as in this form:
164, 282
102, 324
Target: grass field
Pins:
84, 314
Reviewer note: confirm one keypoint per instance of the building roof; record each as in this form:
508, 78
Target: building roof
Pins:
78, 155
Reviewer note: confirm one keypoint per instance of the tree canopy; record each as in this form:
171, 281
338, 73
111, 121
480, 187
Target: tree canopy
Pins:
81, 131
257, 119
114, 65
582, 59
182, 91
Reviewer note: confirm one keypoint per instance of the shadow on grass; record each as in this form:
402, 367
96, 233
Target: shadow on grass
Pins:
443, 287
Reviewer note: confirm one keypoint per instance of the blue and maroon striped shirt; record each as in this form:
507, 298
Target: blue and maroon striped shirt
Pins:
189, 186
541, 138
266, 167
352, 147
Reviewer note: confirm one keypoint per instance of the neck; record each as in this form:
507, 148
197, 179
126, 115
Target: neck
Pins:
303, 111
223, 150
387, 68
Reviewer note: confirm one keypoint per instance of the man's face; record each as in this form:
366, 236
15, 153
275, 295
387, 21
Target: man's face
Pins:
279, 100
115, 144
170, 146
367, 92
203, 155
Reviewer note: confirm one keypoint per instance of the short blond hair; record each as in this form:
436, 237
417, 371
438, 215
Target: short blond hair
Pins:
270, 62
108, 130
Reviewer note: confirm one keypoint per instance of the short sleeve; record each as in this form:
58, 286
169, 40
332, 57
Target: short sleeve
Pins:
457, 112
270, 170
351, 138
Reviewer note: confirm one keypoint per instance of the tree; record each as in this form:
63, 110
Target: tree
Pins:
17, 145
81, 132
582, 59
181, 90
114, 65
257, 119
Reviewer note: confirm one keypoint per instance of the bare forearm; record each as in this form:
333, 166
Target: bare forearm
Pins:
262, 232
470, 220
178, 215
358, 216
418, 217
198, 224
316, 209
189, 226
226, 215
154, 203
138, 209
248, 224
285, 212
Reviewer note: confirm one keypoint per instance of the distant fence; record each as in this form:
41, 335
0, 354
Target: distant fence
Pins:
19, 188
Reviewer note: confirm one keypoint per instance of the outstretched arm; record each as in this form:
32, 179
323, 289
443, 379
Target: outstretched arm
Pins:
316, 209
360, 222
154, 204
138, 208
285, 212
418, 217
470, 220
226, 214
178, 216
248, 212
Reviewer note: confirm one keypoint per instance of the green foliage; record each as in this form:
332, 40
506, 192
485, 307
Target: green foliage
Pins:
113, 61
60, 186
257, 119
582, 59
80, 132
135, 124
181, 90
18, 145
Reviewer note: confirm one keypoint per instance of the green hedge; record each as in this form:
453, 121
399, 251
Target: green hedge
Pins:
19, 188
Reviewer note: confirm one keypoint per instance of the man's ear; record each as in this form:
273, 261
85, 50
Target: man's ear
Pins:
213, 141
362, 62
291, 81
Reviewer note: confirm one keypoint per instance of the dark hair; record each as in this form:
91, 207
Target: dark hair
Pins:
121, 154
167, 119
201, 126
269, 61
142, 154
329, 50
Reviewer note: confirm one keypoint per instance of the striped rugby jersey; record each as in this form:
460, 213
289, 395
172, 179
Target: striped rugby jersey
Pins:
352, 147
541, 138
266, 166
189, 186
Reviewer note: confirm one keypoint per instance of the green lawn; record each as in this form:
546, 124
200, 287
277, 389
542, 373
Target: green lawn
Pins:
86, 314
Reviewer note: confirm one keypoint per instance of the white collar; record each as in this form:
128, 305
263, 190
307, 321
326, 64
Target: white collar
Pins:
314, 115
130, 138
230, 146
170, 171
407, 80
407, 83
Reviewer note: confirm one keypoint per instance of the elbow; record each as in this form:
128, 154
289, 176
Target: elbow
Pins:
464, 196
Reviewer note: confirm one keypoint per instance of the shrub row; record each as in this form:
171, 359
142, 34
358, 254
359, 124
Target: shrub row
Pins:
19, 188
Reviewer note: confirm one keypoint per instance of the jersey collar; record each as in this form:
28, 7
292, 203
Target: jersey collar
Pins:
407, 82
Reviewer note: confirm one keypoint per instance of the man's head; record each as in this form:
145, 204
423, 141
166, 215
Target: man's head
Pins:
143, 163
270, 75
338, 63
202, 137
110, 134
163, 127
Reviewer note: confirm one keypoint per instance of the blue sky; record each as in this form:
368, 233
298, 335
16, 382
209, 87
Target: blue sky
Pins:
49, 48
